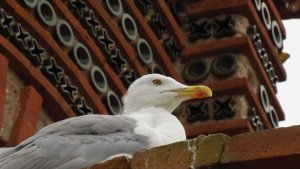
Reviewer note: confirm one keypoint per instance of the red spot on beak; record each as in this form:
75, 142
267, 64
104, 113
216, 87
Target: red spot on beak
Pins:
201, 94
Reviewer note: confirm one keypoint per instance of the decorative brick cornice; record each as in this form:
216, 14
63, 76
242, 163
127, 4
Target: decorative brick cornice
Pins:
159, 52
57, 106
238, 44
245, 8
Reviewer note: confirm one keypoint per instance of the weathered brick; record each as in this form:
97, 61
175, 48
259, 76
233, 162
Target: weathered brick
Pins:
209, 149
3, 74
263, 145
25, 126
175, 156
201, 152
115, 163
276, 149
56, 105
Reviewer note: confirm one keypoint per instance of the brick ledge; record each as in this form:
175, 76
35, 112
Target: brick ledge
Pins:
276, 149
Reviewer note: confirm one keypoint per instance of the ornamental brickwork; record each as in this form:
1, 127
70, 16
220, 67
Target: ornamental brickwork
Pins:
60, 59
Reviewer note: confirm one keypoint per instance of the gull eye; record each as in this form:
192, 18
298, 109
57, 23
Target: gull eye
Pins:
156, 82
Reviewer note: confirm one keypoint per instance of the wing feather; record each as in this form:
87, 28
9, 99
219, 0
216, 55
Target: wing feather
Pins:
76, 143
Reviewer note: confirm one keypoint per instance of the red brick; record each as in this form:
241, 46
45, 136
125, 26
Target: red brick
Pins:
175, 156
116, 34
238, 86
160, 54
3, 75
284, 12
201, 152
114, 80
245, 8
46, 39
83, 36
57, 106
170, 21
196, 9
64, 13
240, 45
25, 125
277, 149
229, 127
275, 14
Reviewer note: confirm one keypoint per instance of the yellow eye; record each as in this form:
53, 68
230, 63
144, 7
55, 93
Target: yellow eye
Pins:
156, 82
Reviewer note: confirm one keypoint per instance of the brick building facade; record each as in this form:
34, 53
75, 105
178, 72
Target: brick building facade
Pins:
60, 59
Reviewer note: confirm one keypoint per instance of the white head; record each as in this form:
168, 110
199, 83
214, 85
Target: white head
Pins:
154, 90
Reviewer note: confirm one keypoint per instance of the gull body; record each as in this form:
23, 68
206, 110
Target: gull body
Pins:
82, 141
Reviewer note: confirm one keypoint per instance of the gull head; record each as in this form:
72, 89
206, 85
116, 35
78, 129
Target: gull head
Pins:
155, 90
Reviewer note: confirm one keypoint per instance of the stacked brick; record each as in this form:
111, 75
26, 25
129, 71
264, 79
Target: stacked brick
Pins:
67, 58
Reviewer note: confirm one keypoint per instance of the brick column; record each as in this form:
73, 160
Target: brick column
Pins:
3, 74
25, 126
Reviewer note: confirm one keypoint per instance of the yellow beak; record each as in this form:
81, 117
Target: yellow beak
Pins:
195, 92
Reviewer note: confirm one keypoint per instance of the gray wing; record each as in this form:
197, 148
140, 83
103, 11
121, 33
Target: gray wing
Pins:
76, 143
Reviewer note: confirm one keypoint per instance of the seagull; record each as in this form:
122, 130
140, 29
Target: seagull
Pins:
83, 141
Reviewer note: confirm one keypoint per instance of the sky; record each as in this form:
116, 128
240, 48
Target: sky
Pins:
289, 90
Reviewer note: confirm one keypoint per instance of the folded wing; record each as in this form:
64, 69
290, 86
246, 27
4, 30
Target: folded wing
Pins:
75, 143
